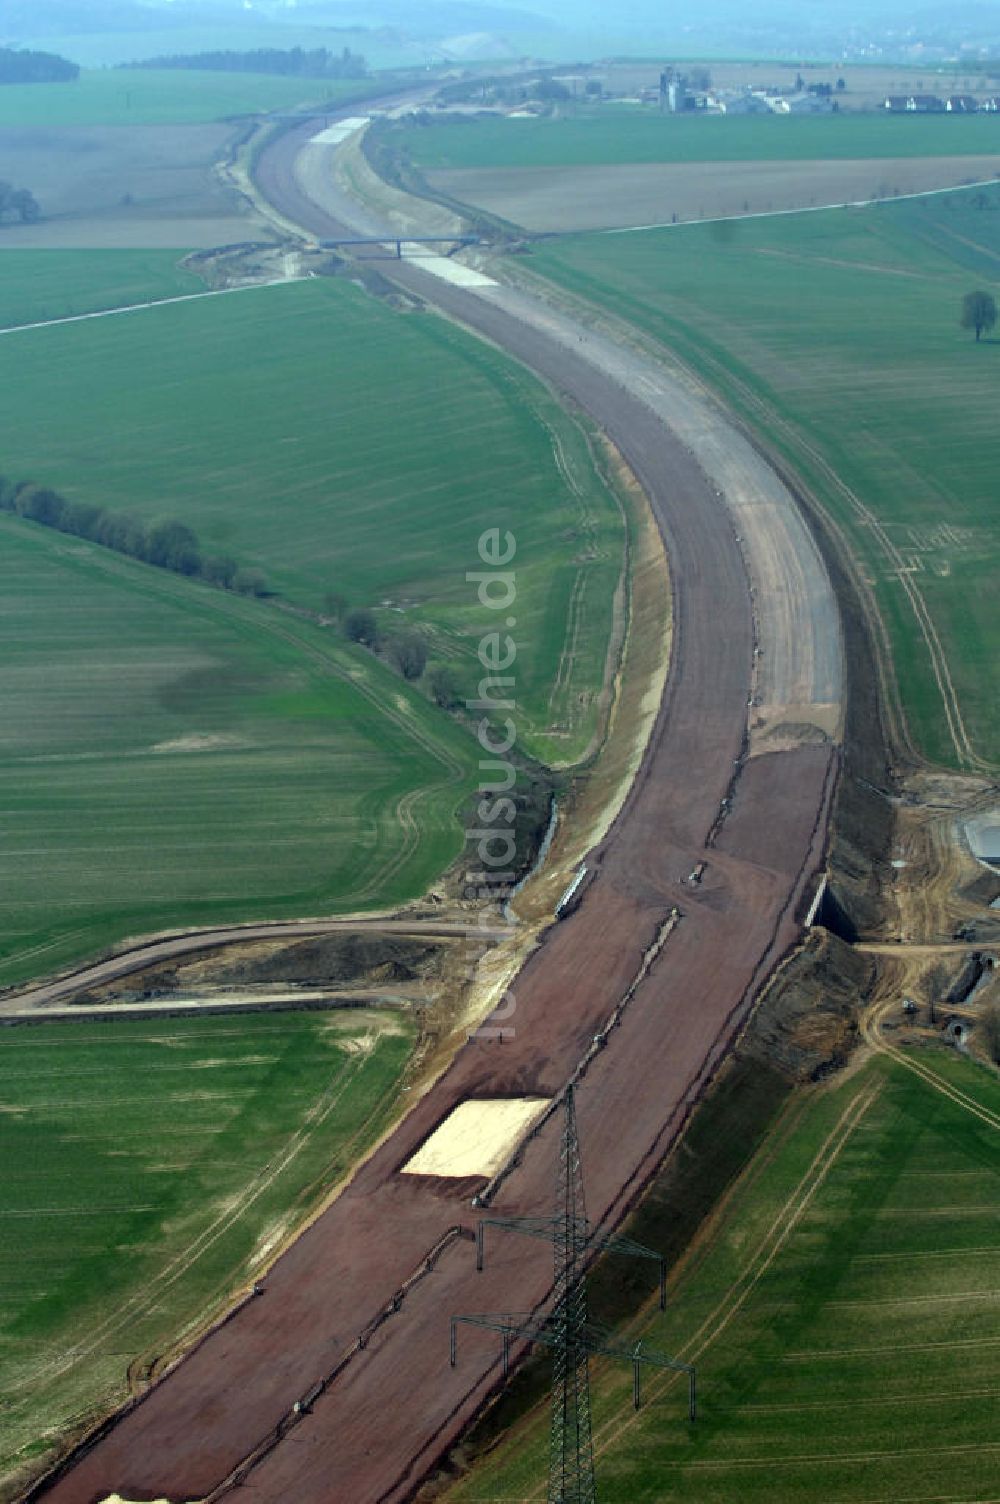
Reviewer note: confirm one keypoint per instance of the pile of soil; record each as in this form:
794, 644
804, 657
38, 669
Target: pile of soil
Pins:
342, 959
806, 1024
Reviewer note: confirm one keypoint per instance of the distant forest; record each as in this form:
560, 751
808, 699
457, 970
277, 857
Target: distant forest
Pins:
35, 68
295, 63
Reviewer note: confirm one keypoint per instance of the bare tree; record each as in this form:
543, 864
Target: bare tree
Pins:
171, 545
442, 685
24, 204
409, 652
250, 582
334, 605
220, 569
20, 202
979, 312
360, 626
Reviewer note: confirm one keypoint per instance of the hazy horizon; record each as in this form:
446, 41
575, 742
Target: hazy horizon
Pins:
94, 32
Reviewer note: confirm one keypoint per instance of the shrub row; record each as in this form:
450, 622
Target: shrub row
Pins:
167, 544
20, 65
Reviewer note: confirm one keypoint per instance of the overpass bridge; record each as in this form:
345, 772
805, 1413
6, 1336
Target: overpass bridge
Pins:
456, 242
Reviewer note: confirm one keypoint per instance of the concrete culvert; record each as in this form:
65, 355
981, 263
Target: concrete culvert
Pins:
831, 915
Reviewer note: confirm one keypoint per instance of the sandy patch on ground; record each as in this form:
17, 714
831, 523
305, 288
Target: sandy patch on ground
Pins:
333, 135
477, 1138
201, 741
777, 728
445, 268
118, 1499
983, 834
128, 187
596, 198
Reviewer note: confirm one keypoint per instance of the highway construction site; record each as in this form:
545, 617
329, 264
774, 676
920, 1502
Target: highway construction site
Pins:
776, 819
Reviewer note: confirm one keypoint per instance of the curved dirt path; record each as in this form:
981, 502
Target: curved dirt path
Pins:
871, 1033
635, 1004
20, 1001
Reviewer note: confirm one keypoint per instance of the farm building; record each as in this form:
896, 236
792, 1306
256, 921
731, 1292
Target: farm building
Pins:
914, 104
731, 103
803, 104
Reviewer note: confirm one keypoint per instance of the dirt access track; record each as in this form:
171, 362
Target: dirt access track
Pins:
333, 1385
21, 1002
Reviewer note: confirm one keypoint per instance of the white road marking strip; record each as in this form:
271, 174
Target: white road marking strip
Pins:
334, 134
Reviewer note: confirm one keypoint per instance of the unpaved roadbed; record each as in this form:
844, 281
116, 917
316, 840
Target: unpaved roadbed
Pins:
677, 964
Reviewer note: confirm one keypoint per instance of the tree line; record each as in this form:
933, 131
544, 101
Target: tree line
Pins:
167, 544
26, 67
293, 63
405, 650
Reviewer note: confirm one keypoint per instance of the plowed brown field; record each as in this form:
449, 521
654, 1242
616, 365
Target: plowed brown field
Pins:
553, 199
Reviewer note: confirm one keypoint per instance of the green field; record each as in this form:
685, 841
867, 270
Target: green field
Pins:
603, 136
41, 284
842, 1314
172, 754
147, 1169
311, 430
835, 335
169, 96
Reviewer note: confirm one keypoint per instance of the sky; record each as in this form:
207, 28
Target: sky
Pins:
789, 28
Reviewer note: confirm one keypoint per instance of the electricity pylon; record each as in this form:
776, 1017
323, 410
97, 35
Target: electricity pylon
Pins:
567, 1329
571, 1451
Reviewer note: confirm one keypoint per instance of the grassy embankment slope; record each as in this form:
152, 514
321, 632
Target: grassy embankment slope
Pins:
835, 335
189, 757
842, 1315
148, 1167
611, 134
150, 96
